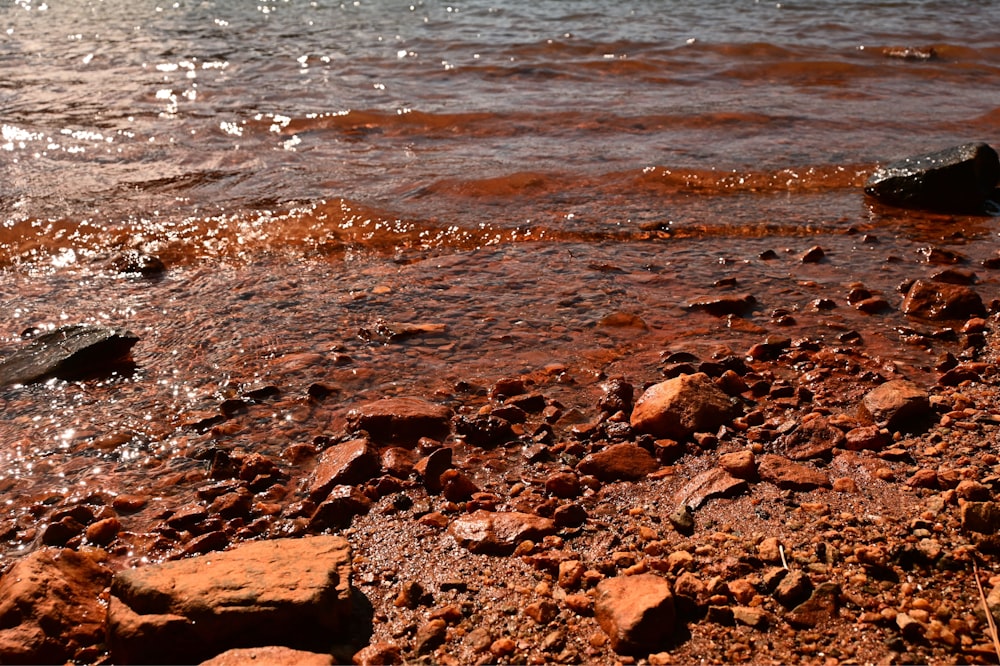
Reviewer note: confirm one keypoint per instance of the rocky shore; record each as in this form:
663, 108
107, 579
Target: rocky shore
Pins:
797, 503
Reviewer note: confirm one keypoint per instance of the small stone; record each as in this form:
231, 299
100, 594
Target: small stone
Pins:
793, 589
867, 438
456, 486
377, 654
942, 301
619, 462
542, 612
794, 476
813, 255
430, 636
819, 609
499, 532
563, 484
103, 531
751, 617
349, 463
769, 550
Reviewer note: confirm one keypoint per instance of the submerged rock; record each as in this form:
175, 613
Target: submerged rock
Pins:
68, 352
285, 592
959, 180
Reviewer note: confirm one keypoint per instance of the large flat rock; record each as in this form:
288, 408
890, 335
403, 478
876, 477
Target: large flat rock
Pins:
959, 179
284, 592
68, 352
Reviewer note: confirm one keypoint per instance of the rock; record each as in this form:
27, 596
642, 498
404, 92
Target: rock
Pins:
813, 255
819, 609
942, 301
432, 467
287, 592
897, 405
711, 483
349, 463
682, 406
636, 612
273, 655
741, 464
50, 608
794, 589
725, 305
617, 396
404, 420
69, 352
813, 439
430, 635
378, 654
982, 517
484, 430
563, 484
682, 520
752, 617
456, 486
499, 533
339, 508
867, 437
784, 473
619, 462
959, 179
134, 262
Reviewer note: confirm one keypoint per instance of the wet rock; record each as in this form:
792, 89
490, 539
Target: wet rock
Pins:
725, 305
456, 486
784, 473
959, 179
273, 655
942, 301
348, 463
636, 612
681, 406
404, 420
711, 483
820, 608
378, 654
285, 592
339, 508
563, 484
499, 533
103, 531
813, 439
69, 352
619, 462
485, 431
134, 262
617, 397
398, 461
897, 405
50, 609
813, 255
433, 466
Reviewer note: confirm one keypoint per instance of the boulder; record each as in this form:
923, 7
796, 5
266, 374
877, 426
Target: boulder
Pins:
69, 352
619, 462
348, 463
284, 592
404, 419
499, 533
959, 180
897, 405
50, 608
636, 612
682, 406
942, 301
784, 473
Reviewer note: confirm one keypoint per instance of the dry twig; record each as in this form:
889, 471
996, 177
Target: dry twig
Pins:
989, 614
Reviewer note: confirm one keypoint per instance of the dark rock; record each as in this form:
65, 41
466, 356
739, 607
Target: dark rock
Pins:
456, 486
135, 262
636, 612
794, 589
619, 462
498, 533
897, 405
291, 592
725, 305
430, 635
942, 301
682, 406
813, 439
403, 420
819, 609
682, 520
617, 396
959, 179
50, 607
433, 466
339, 508
813, 255
69, 352
981, 517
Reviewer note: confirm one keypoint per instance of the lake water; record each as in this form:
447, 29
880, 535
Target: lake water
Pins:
513, 188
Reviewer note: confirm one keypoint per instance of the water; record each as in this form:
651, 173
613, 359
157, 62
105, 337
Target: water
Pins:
552, 182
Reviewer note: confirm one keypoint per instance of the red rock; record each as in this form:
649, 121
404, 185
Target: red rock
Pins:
867, 437
292, 592
339, 508
104, 531
499, 532
813, 439
711, 483
682, 406
403, 420
378, 654
398, 461
563, 484
982, 517
923, 478
272, 656
456, 486
542, 612
939, 300
787, 474
898, 405
347, 464
50, 608
429, 636
741, 464
636, 612
819, 609
619, 462
433, 466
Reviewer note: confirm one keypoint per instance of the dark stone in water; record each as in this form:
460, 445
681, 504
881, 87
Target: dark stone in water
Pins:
69, 352
958, 180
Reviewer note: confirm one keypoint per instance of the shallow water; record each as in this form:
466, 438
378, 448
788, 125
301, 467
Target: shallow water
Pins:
398, 199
